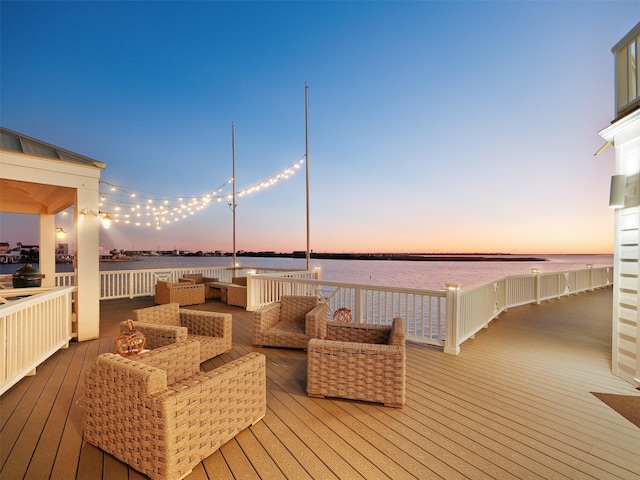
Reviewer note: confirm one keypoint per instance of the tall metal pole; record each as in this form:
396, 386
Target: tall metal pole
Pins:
233, 176
306, 156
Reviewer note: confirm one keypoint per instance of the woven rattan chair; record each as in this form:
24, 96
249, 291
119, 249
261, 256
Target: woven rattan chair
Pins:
359, 362
184, 293
159, 414
291, 322
166, 324
198, 278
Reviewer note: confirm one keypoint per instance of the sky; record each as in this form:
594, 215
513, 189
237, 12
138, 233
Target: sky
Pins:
432, 126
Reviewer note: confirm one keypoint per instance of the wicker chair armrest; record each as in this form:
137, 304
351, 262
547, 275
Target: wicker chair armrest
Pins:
315, 321
187, 280
266, 317
212, 324
210, 279
178, 360
355, 350
158, 335
117, 377
166, 314
358, 333
187, 286
397, 336
147, 327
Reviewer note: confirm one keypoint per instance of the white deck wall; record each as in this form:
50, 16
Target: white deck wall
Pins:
625, 135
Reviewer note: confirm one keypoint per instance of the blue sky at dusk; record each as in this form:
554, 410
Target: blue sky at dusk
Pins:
433, 126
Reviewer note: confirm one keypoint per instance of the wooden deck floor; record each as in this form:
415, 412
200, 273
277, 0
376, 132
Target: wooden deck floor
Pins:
515, 403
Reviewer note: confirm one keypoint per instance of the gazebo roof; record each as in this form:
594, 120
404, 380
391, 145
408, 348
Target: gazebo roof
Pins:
17, 142
44, 181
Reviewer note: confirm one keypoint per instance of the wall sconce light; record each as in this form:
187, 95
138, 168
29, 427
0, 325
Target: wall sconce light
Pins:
60, 232
106, 219
618, 191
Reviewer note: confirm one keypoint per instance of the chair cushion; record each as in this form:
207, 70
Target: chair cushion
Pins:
292, 327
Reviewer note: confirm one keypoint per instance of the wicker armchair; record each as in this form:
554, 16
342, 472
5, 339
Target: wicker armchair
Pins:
184, 293
359, 362
159, 414
291, 322
166, 324
198, 278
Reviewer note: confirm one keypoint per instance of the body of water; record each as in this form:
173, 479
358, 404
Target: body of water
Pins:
413, 274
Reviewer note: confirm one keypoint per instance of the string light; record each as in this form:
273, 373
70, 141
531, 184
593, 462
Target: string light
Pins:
161, 209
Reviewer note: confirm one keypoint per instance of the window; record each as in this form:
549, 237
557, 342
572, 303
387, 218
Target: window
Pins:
626, 68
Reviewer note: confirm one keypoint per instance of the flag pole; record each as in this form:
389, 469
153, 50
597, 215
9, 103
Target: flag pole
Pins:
306, 157
233, 176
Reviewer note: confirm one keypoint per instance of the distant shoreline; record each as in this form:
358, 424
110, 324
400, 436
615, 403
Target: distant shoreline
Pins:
414, 257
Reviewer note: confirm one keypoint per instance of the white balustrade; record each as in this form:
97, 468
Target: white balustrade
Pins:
32, 329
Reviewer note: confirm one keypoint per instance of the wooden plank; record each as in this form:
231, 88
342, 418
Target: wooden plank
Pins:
71, 440
22, 432
284, 459
91, 463
216, 467
261, 461
237, 461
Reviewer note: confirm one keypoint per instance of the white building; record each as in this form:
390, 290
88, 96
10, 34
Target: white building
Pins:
41, 179
624, 135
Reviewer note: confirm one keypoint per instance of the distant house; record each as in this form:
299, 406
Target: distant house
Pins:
624, 135
7, 255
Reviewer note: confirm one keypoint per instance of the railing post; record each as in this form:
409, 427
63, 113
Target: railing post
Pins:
358, 313
250, 290
451, 341
590, 268
536, 286
131, 284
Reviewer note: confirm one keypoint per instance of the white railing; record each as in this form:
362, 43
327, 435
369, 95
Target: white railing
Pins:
475, 308
141, 283
32, 329
445, 318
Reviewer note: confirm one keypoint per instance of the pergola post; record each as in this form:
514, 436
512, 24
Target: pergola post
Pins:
87, 262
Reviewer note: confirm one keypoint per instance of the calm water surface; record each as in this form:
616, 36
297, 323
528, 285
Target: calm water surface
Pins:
426, 275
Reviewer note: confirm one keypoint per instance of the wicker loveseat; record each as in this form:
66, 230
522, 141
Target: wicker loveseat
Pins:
184, 293
198, 278
291, 322
359, 362
166, 324
159, 414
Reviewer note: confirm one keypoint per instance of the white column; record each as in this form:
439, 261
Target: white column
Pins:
87, 261
47, 244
